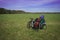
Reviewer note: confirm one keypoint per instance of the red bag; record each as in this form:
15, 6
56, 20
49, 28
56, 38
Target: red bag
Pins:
36, 24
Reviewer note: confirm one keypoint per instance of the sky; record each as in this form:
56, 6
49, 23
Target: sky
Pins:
31, 5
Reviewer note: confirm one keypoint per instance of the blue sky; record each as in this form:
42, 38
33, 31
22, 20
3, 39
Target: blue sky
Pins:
32, 5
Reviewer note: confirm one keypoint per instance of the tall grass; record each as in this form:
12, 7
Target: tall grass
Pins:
14, 27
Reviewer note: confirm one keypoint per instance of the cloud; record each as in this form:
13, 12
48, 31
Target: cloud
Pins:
31, 5
27, 2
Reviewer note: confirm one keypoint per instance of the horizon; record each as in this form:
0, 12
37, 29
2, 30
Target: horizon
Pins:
31, 5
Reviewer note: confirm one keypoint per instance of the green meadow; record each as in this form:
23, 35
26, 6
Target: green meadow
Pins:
14, 27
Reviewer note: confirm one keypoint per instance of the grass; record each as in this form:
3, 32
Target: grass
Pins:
14, 27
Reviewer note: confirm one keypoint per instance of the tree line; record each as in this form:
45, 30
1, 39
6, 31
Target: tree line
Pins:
6, 11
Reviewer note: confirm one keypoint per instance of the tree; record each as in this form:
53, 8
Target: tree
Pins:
2, 11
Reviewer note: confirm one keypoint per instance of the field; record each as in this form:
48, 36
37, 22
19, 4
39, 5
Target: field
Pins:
14, 27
